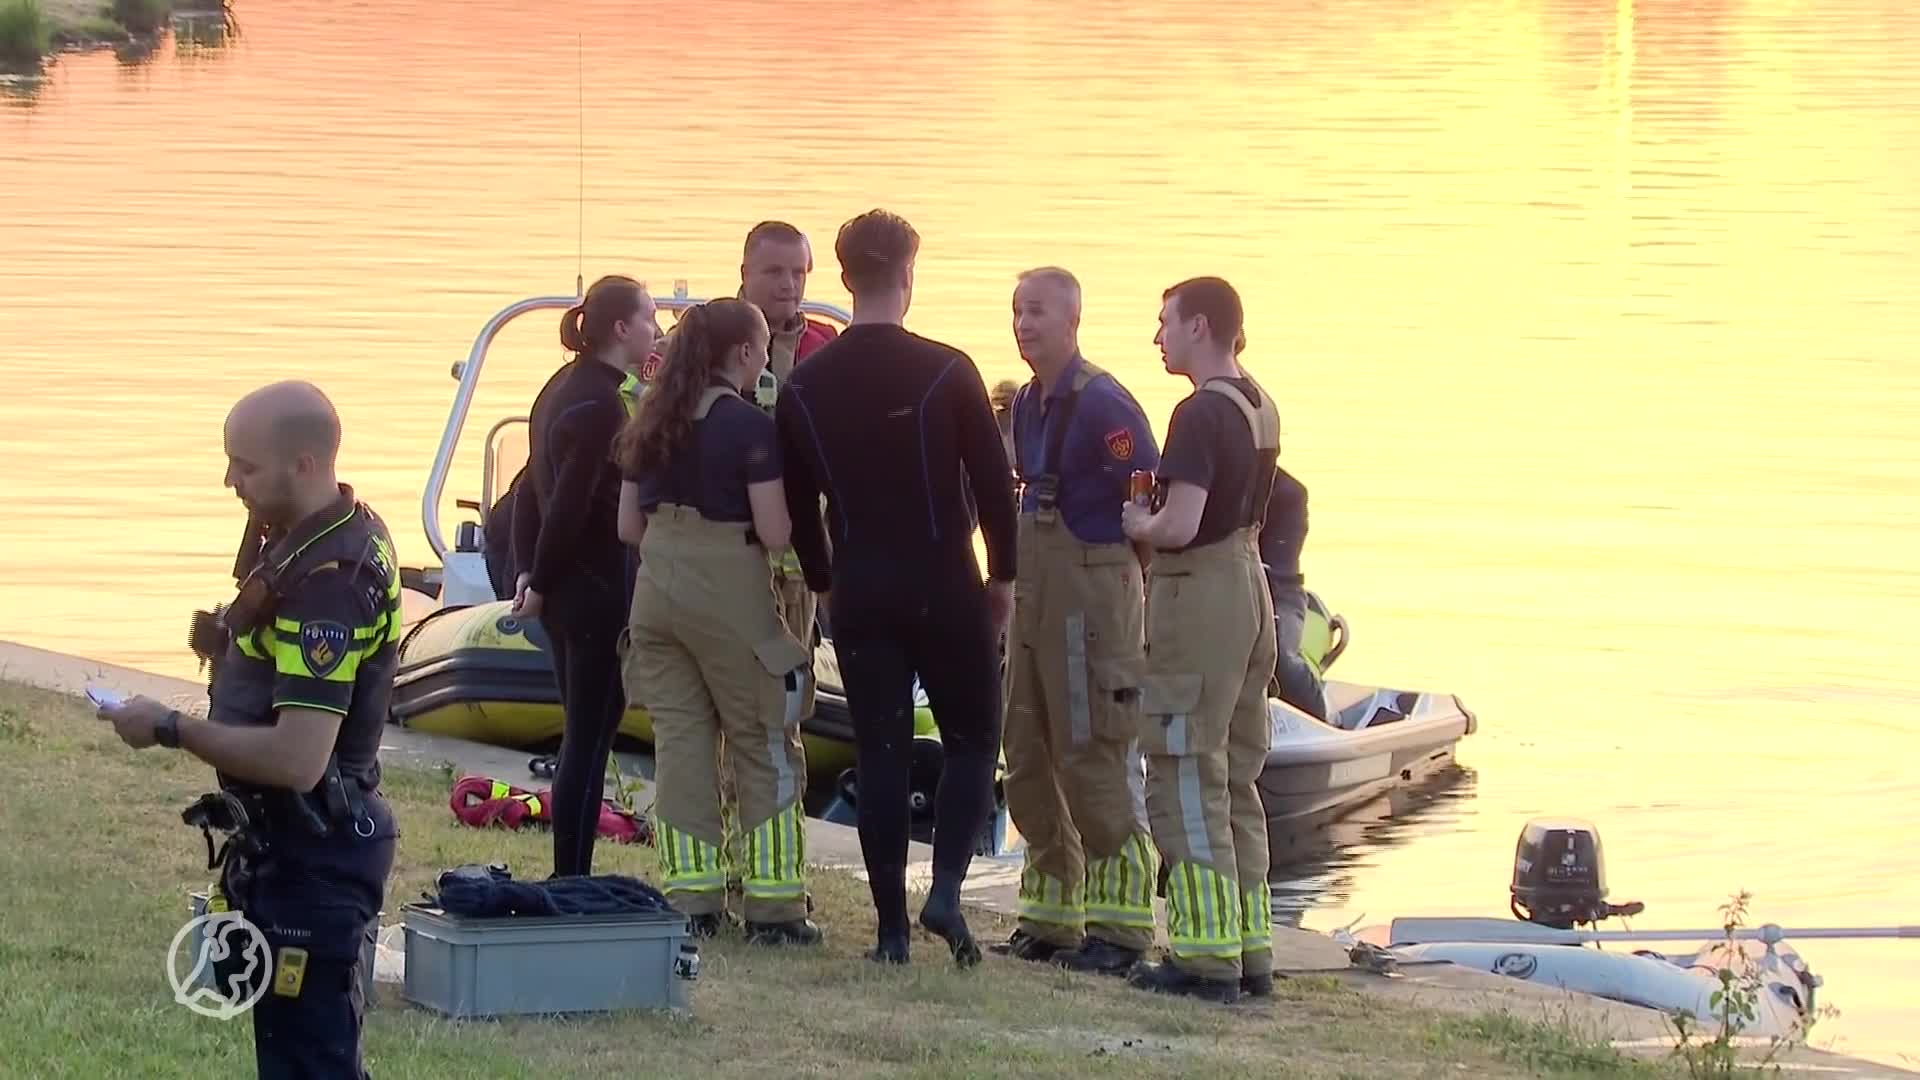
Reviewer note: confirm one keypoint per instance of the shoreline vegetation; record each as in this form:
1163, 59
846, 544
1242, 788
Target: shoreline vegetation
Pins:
31, 31
109, 846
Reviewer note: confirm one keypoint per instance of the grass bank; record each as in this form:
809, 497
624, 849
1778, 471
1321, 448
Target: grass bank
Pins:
29, 29
97, 866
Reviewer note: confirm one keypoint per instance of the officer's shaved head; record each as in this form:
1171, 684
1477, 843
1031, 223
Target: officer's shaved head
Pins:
298, 419
282, 440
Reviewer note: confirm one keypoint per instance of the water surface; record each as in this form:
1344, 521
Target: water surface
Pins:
1593, 325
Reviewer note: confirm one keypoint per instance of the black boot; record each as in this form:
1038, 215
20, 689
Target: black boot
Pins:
941, 917
1256, 985
1024, 946
710, 924
1165, 978
792, 932
892, 948
1099, 956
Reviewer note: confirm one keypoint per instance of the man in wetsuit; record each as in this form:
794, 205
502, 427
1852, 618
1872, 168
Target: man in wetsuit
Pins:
1210, 654
303, 664
895, 429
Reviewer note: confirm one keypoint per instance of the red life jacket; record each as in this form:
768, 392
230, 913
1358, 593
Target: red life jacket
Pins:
812, 337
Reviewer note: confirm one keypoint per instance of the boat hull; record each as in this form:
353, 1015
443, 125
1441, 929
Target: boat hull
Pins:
1379, 738
1678, 984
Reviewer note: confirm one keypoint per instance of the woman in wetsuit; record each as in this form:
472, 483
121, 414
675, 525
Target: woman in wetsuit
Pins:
576, 575
708, 653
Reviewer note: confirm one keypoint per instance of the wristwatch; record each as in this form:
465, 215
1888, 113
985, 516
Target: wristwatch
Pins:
167, 731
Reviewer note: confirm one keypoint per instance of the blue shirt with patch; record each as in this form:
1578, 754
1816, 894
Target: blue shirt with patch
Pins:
1105, 441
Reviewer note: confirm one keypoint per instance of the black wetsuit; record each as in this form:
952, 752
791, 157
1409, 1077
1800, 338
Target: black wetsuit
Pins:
565, 535
894, 429
1281, 539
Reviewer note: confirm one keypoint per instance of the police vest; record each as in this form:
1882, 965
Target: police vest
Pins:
1264, 422
348, 535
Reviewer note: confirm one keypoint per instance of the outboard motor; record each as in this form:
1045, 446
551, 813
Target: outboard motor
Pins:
1560, 875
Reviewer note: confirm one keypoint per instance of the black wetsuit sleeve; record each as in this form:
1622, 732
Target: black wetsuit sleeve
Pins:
803, 492
321, 633
593, 423
525, 530
988, 473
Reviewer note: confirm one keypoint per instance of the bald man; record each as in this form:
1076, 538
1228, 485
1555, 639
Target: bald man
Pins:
303, 662
1076, 649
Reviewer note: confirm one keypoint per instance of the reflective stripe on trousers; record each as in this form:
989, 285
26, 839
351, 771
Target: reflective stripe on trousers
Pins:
1206, 732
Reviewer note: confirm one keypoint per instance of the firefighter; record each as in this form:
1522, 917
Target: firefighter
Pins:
1210, 654
1076, 649
706, 650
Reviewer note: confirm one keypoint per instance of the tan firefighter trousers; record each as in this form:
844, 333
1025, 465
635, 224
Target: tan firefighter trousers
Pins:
719, 674
1204, 729
1075, 656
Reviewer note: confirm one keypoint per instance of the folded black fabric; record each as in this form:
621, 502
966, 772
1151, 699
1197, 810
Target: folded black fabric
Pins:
489, 892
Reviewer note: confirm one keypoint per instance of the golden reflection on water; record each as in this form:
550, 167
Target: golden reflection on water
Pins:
1593, 325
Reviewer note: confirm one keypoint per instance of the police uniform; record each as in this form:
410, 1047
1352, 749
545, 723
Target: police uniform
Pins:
719, 673
1210, 642
315, 626
1075, 657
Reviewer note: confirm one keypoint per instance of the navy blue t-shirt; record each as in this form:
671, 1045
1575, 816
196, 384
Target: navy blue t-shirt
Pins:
1107, 439
733, 446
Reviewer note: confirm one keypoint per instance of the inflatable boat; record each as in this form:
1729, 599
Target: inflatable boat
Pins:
1373, 739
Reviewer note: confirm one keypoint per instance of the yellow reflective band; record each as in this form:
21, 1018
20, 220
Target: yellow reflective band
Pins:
498, 791
1046, 899
1203, 912
1256, 920
362, 635
1120, 888
687, 863
249, 645
776, 857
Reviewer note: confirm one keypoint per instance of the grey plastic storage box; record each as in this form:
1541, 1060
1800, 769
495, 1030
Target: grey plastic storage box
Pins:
197, 904
517, 965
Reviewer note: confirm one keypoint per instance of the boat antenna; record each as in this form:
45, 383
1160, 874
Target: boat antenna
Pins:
580, 223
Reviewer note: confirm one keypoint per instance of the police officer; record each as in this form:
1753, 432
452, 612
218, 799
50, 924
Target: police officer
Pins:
1076, 649
1210, 654
706, 650
297, 704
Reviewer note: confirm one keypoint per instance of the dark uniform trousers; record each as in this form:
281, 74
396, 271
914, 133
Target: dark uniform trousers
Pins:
320, 896
1206, 734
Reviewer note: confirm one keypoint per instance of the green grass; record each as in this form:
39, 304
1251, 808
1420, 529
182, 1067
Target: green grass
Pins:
96, 869
26, 33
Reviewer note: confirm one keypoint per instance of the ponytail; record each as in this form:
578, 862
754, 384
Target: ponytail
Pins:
573, 336
663, 423
587, 327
